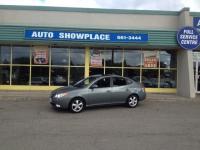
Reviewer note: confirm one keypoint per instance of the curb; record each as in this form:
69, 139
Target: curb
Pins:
38, 96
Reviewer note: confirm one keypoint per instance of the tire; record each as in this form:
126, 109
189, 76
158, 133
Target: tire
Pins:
132, 101
77, 105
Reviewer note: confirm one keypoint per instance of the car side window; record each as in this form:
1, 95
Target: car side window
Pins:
117, 81
102, 83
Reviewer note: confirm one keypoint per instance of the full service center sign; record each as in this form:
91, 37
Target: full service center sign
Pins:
188, 38
85, 36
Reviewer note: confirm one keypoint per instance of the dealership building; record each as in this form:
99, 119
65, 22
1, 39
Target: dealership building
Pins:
42, 48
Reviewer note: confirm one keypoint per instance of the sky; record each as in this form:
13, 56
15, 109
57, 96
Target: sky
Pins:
173, 5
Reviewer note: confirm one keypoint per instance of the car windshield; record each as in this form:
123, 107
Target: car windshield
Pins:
85, 82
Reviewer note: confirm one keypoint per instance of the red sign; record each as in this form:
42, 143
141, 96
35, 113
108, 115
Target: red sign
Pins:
40, 55
150, 62
96, 59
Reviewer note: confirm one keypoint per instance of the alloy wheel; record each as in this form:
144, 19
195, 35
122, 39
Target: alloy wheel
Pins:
132, 101
77, 105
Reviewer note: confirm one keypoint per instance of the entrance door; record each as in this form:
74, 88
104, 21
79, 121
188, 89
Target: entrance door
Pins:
197, 75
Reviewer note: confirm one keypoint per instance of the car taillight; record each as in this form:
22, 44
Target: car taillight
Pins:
142, 87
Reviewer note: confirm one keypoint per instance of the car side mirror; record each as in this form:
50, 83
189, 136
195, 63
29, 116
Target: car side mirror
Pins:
94, 86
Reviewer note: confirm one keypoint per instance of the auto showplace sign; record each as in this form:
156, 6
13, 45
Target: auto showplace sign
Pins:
85, 36
188, 38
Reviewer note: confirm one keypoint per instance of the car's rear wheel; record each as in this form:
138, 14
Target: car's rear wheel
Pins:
132, 101
77, 105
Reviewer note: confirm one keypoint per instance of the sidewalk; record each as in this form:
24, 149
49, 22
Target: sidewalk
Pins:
24, 95
43, 95
169, 97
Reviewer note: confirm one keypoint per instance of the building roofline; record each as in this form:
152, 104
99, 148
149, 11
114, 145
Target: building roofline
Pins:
195, 14
89, 10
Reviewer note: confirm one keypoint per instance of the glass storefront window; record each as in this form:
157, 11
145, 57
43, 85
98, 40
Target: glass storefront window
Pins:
115, 71
132, 58
21, 55
168, 78
40, 76
4, 75
59, 76
113, 58
67, 66
5, 53
95, 71
168, 59
59, 56
77, 56
76, 74
20, 75
132, 74
150, 78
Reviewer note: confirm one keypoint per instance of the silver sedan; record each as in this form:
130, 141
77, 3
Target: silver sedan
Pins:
98, 90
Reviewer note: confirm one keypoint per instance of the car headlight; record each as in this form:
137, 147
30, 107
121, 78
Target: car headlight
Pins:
60, 95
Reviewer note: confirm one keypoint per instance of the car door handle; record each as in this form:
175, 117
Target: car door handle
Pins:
108, 91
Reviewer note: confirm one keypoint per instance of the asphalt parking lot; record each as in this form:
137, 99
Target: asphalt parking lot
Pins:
154, 125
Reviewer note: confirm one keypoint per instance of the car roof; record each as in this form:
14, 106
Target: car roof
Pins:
106, 75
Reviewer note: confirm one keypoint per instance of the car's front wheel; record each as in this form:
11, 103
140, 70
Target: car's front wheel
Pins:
77, 105
132, 101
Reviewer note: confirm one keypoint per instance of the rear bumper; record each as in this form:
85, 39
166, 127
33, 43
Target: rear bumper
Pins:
142, 96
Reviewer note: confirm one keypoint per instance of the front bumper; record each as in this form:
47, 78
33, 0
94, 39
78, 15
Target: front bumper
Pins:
59, 102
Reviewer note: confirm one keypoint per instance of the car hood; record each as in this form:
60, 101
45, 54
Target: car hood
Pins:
64, 89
